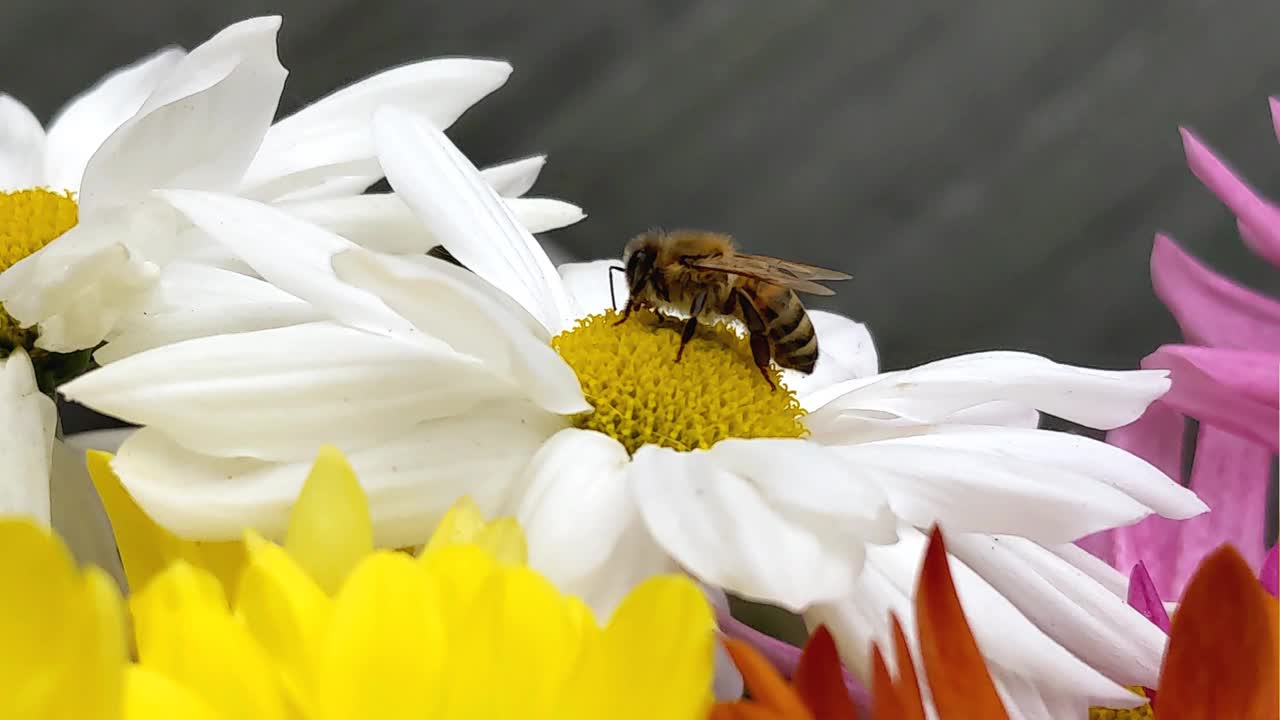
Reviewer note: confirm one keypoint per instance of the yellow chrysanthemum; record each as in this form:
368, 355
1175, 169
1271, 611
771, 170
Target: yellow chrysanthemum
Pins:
325, 627
62, 638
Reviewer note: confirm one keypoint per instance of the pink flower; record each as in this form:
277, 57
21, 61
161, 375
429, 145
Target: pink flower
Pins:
1227, 377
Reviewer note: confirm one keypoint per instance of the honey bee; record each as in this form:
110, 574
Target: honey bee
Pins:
702, 273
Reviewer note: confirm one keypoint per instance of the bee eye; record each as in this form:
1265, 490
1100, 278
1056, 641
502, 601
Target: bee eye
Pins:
638, 267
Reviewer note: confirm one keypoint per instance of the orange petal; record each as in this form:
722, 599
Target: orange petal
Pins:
819, 679
908, 685
958, 679
884, 696
1221, 658
744, 710
767, 687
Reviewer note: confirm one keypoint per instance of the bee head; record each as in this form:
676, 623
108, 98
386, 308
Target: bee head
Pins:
638, 259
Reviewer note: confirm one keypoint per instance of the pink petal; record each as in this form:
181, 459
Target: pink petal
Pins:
1230, 474
1275, 115
1210, 309
1155, 437
782, 655
1144, 598
1156, 543
1235, 390
1262, 217
1270, 570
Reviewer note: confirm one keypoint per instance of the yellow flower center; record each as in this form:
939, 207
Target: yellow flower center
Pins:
1143, 712
29, 220
642, 396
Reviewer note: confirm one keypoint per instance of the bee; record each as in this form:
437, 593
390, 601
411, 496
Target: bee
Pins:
702, 273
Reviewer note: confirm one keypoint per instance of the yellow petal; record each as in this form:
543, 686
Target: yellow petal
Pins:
63, 634
186, 632
459, 525
287, 613
504, 539
145, 547
386, 645
465, 525
460, 572
661, 639
523, 631
329, 527
150, 695
100, 650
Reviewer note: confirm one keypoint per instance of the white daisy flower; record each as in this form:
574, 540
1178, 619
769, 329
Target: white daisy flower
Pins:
515, 385
83, 191
84, 244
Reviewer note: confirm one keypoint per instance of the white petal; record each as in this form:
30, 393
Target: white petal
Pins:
198, 301
95, 310
335, 133
379, 221
202, 125
589, 288
813, 486
76, 286
845, 352
27, 422
1080, 614
455, 204
297, 260
411, 480
279, 394
860, 619
1100, 461
85, 122
382, 221
583, 527
538, 215
453, 305
1054, 488
724, 532
1102, 399
1009, 641
22, 147
1112, 579
999, 412
324, 183
1025, 700
77, 514
514, 178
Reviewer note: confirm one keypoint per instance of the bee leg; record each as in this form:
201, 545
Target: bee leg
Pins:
625, 314
691, 325
760, 350
760, 353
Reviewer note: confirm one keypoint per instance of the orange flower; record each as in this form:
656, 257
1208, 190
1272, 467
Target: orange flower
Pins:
1221, 661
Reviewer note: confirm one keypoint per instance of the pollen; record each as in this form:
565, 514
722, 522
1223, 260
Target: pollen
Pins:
29, 220
642, 396
1143, 712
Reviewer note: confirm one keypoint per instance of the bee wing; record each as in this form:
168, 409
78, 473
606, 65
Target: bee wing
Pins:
793, 275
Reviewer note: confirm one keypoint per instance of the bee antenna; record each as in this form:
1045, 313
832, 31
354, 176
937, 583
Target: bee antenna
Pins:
612, 297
